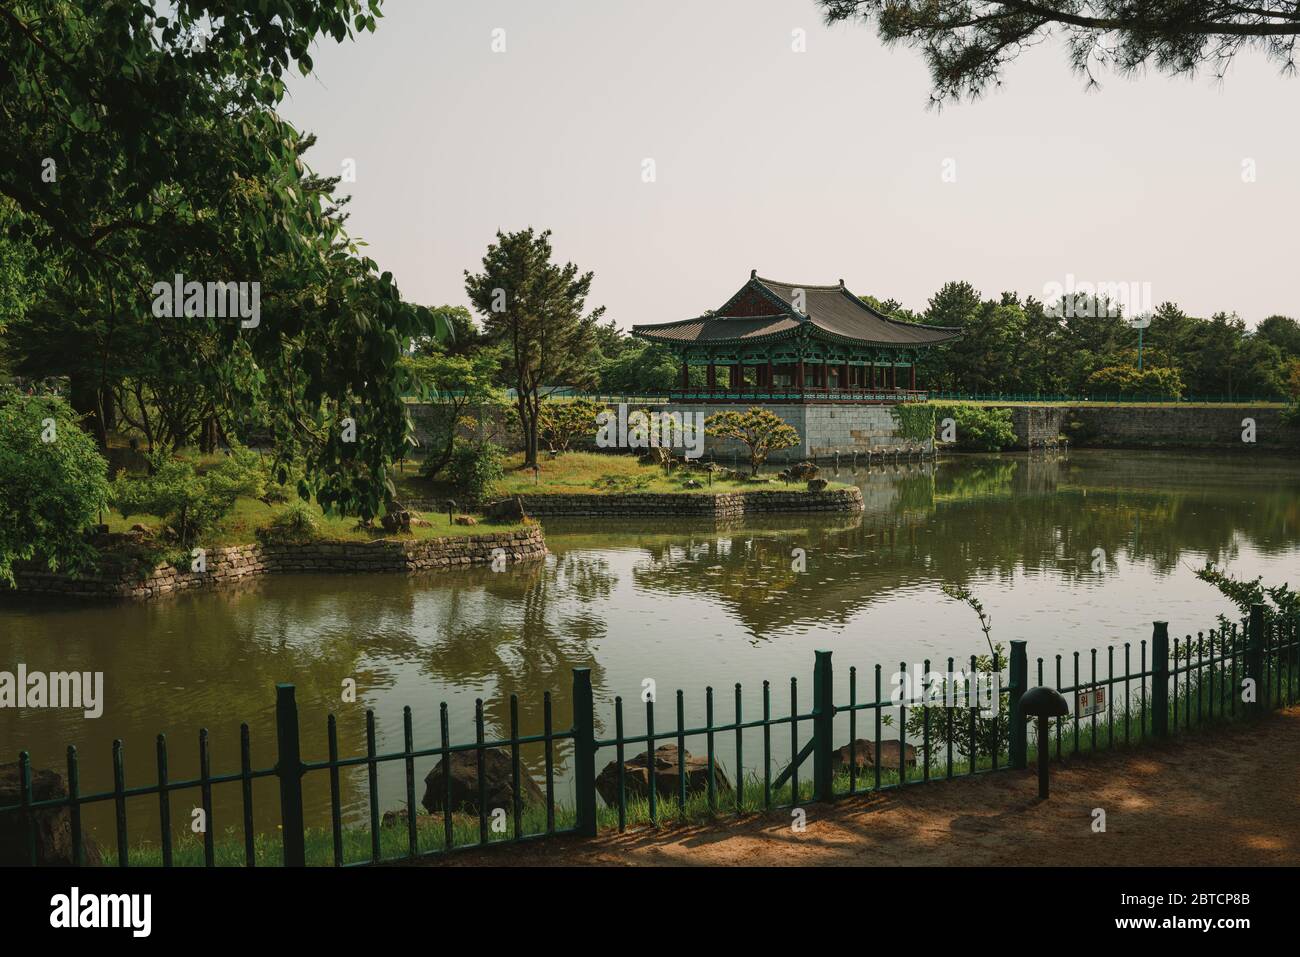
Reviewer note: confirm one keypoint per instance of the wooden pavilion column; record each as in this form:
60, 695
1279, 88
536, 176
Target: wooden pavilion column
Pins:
767, 382
686, 374
912, 375
798, 373
844, 376
735, 379
712, 375
893, 375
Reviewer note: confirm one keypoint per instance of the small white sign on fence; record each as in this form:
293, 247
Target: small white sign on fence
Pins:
1089, 701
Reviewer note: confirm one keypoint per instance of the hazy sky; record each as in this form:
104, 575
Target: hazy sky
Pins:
808, 166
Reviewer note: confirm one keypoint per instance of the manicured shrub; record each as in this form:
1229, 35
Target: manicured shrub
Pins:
475, 469
189, 501
299, 522
54, 484
562, 422
759, 429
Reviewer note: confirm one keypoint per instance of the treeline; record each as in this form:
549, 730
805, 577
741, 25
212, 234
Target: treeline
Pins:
1011, 344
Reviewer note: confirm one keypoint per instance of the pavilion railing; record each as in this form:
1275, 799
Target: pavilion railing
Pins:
794, 394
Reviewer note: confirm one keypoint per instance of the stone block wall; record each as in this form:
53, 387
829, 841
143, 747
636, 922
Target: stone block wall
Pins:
237, 563
823, 429
1174, 426
1037, 425
723, 505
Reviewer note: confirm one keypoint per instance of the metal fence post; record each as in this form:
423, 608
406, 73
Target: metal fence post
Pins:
1255, 659
584, 751
1160, 679
288, 768
823, 726
1019, 747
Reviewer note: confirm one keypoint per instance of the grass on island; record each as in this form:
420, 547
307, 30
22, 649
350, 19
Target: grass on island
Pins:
576, 473
250, 516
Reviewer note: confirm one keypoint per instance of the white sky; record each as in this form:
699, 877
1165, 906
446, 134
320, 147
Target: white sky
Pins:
809, 166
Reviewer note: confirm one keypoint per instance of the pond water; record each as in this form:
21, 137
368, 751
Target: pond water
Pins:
688, 605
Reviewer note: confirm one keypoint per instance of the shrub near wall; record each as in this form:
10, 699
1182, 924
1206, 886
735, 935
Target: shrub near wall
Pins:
979, 428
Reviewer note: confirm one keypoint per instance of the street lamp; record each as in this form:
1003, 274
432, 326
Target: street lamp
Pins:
1139, 323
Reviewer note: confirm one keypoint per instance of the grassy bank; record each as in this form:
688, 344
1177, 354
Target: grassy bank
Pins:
588, 473
251, 517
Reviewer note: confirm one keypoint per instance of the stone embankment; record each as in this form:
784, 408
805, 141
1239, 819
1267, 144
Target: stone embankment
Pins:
237, 563
719, 505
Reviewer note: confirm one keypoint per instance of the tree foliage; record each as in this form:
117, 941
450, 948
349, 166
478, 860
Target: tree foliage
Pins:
1149, 382
454, 384
145, 144
53, 481
761, 430
189, 500
563, 421
535, 310
978, 428
967, 45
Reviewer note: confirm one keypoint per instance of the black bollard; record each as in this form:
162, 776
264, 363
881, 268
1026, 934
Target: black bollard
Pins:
1044, 748
1043, 704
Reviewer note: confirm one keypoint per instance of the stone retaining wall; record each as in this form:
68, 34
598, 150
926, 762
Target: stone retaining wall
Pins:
694, 504
1037, 425
239, 562
1182, 427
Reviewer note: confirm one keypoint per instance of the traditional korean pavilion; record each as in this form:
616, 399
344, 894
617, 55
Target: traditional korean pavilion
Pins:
786, 342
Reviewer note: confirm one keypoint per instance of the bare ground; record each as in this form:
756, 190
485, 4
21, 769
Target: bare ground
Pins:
1226, 796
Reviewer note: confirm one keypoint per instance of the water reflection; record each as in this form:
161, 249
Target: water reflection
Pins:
687, 604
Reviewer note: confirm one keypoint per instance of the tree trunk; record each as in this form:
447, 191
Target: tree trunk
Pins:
92, 405
208, 435
528, 421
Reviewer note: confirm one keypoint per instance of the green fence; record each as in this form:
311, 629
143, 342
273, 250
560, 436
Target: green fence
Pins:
1031, 397
1191, 682
891, 395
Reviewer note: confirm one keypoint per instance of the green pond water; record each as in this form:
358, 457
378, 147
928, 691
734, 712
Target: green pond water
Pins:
687, 605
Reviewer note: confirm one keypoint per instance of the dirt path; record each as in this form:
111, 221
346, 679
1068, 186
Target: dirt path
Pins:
1225, 797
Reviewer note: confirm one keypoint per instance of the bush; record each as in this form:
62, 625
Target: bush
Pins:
187, 500
1130, 382
54, 484
978, 428
281, 482
561, 422
297, 523
475, 470
760, 429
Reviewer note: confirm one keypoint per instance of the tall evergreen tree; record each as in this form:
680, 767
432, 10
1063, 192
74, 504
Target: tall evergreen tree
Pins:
535, 310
